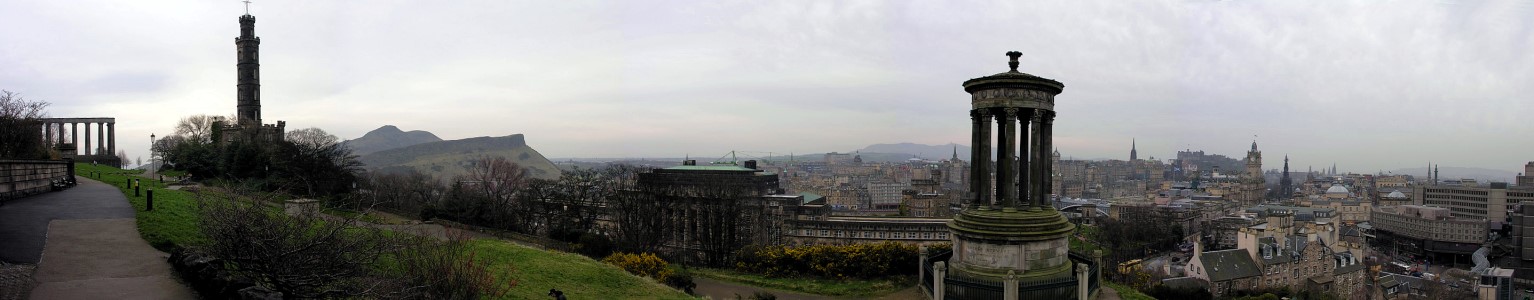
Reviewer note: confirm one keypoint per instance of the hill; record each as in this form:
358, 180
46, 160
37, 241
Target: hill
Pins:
389, 137
931, 152
446, 159
1452, 173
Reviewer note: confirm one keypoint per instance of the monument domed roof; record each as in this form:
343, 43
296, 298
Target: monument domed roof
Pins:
1013, 79
1395, 194
1337, 189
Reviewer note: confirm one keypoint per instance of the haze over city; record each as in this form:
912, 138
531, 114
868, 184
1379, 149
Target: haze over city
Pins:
1367, 85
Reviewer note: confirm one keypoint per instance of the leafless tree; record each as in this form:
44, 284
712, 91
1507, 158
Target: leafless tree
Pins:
302, 256
20, 128
311, 137
405, 193
197, 128
640, 223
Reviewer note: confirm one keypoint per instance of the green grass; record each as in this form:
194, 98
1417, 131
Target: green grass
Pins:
829, 287
172, 224
537, 271
1128, 293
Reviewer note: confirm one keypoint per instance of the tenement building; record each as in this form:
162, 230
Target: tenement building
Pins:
247, 125
1427, 231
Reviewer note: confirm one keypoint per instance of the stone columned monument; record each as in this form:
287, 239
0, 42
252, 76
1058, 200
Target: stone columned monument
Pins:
1008, 230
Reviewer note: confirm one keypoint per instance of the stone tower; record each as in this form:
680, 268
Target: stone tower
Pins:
248, 125
249, 84
1012, 227
1252, 183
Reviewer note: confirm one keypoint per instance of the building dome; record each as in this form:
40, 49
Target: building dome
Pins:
1337, 189
1395, 195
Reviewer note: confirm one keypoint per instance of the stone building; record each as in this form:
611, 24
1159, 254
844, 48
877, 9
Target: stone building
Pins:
755, 210
1253, 189
247, 126
1226, 271
1417, 231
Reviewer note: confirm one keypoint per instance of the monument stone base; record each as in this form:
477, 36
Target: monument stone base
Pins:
1031, 243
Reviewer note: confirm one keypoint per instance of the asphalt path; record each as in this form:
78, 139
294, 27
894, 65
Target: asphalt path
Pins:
24, 222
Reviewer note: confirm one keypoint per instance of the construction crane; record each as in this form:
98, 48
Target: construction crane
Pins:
735, 155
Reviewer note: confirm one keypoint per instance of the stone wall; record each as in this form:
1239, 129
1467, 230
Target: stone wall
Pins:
21, 178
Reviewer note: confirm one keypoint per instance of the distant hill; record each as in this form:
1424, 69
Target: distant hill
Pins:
1453, 173
389, 137
446, 159
932, 152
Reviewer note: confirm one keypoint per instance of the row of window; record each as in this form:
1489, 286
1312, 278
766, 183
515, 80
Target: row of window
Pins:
876, 234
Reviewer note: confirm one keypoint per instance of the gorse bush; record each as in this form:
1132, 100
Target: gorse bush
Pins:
869, 260
642, 264
649, 265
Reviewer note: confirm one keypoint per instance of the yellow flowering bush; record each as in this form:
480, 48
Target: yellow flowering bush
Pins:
642, 264
869, 260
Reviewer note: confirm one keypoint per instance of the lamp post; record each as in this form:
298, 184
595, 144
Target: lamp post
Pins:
153, 169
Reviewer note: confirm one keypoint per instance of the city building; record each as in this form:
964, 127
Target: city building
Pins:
1253, 188
1226, 271
703, 199
1416, 231
1489, 202
1526, 179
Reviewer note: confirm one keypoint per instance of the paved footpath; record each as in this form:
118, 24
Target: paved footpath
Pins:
85, 244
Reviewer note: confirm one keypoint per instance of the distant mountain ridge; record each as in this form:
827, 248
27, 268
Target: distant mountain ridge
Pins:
1454, 173
389, 137
932, 152
448, 159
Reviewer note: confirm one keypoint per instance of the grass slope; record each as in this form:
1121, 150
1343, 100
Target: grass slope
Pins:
1128, 293
173, 224
818, 286
578, 276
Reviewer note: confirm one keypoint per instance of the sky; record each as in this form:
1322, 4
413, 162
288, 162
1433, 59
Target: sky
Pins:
1368, 85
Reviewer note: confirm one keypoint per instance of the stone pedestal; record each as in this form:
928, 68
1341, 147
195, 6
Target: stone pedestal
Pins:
1030, 243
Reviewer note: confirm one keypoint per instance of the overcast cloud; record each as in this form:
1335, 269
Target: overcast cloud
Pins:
1369, 85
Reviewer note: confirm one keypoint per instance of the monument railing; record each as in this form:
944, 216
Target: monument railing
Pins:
958, 286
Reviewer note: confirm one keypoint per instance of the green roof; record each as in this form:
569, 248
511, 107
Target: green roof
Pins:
810, 197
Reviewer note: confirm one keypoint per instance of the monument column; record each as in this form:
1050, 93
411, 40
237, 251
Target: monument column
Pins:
87, 138
984, 162
1006, 142
975, 170
74, 136
1046, 130
1024, 159
112, 138
101, 140
47, 132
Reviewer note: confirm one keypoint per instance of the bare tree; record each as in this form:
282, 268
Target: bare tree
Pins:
20, 128
406, 193
197, 128
311, 137
640, 222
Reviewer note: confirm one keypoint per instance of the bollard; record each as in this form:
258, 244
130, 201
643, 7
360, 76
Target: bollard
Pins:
149, 200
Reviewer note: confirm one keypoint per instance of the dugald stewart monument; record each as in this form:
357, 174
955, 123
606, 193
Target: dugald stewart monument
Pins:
1008, 238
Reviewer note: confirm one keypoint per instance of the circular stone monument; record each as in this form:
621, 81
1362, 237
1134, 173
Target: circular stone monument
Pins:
1011, 227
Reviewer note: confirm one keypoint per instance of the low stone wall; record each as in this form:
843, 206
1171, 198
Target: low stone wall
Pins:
21, 178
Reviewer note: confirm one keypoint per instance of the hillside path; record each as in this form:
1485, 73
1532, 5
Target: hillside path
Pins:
85, 244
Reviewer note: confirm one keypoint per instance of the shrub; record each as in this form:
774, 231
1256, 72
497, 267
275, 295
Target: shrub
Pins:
649, 265
448, 270
869, 260
594, 245
642, 264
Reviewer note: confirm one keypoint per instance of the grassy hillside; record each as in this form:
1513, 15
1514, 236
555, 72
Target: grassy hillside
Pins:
447, 159
578, 276
173, 224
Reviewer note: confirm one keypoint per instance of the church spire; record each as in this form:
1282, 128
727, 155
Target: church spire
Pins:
1134, 154
955, 153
